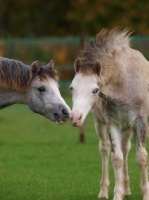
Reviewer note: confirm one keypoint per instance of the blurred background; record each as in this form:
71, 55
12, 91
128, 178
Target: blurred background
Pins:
54, 29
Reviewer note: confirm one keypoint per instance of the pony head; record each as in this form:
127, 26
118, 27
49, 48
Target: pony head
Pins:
85, 89
43, 95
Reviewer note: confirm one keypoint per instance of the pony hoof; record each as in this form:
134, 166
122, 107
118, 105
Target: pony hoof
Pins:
117, 197
127, 192
103, 194
146, 197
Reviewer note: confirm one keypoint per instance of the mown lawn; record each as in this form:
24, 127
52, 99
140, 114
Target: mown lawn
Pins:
40, 160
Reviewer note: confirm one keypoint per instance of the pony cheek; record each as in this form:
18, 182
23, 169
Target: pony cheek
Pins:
97, 100
35, 104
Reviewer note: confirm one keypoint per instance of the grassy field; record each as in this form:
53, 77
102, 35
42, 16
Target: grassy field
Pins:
40, 160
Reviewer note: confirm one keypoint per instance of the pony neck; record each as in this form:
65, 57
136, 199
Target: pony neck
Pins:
9, 97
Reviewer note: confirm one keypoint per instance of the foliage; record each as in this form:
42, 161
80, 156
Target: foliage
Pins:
40, 160
36, 18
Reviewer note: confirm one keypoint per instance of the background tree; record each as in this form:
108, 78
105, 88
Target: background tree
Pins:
36, 18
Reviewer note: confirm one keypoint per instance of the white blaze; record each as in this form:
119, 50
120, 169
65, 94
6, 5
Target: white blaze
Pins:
83, 97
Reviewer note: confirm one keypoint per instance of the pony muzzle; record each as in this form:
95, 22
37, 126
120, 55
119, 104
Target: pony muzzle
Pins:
76, 119
62, 117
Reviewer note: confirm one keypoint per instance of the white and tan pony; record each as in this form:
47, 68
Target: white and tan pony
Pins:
112, 81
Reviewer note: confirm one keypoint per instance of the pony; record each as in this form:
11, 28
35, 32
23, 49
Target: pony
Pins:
112, 80
35, 85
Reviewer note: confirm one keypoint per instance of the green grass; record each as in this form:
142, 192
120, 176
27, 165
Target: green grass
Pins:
40, 160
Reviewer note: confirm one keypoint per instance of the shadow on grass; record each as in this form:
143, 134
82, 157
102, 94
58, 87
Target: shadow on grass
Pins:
133, 197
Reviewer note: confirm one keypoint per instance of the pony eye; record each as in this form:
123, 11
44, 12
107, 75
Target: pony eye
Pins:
71, 88
95, 91
41, 89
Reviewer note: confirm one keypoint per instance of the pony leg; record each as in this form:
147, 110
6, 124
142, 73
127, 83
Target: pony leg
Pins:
104, 148
142, 160
117, 162
142, 155
126, 146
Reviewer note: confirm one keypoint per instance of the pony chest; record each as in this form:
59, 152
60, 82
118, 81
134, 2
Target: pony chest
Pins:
117, 112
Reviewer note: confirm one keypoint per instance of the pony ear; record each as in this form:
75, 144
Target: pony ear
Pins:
50, 64
35, 67
77, 65
98, 67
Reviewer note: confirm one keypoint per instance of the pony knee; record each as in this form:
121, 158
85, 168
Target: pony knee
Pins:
104, 147
142, 157
117, 160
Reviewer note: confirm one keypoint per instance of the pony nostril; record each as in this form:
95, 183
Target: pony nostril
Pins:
80, 117
65, 112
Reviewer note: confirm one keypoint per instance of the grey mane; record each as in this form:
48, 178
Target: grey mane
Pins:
14, 74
